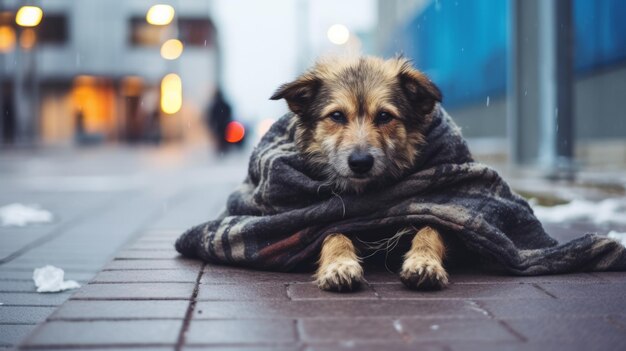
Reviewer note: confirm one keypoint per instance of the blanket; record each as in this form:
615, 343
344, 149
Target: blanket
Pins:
280, 215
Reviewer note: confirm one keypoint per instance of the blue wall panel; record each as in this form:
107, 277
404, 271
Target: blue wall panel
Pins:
463, 44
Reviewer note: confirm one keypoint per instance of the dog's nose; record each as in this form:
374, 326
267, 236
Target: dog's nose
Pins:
360, 162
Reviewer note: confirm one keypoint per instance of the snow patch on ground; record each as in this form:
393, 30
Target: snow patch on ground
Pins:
621, 237
20, 215
50, 279
609, 211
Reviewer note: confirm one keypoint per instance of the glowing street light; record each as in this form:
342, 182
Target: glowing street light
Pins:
7, 39
171, 93
160, 15
338, 34
171, 49
28, 16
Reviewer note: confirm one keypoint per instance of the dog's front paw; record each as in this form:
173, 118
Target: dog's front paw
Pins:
340, 275
423, 273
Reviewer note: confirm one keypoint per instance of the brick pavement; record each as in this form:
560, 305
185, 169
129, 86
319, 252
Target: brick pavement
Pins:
149, 299
99, 198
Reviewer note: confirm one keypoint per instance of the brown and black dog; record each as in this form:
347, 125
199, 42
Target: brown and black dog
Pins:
361, 123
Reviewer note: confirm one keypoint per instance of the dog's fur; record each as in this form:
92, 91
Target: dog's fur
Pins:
377, 108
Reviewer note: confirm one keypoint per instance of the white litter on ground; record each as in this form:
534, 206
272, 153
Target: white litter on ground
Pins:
434, 327
398, 326
609, 211
20, 215
50, 279
621, 237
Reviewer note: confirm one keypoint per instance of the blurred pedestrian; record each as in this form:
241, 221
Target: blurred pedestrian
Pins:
8, 120
218, 117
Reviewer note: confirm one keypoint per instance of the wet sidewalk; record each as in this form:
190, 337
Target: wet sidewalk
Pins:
149, 298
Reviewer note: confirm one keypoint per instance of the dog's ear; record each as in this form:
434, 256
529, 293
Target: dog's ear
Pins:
421, 92
298, 94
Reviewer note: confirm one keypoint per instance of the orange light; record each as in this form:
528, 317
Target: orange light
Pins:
234, 132
171, 49
28, 38
171, 93
7, 39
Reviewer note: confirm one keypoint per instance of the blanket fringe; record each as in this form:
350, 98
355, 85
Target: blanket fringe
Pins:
386, 244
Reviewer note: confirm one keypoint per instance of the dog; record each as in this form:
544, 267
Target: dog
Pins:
360, 124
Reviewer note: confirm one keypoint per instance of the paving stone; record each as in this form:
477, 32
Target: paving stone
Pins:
118, 348
7, 275
337, 309
242, 332
12, 334
68, 267
532, 345
597, 331
242, 292
120, 309
381, 277
27, 275
309, 291
147, 254
455, 329
461, 291
144, 291
152, 245
178, 263
154, 240
378, 346
540, 308
34, 299
225, 275
147, 276
17, 286
23, 314
346, 329
619, 277
619, 320
257, 347
99, 333
598, 291
478, 278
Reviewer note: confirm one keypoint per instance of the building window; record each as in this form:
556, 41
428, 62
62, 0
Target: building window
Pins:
53, 29
196, 31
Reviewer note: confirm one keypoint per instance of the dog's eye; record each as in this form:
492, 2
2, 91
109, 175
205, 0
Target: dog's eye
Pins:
338, 117
383, 118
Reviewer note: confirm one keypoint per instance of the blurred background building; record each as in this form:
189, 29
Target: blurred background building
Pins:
535, 82
92, 70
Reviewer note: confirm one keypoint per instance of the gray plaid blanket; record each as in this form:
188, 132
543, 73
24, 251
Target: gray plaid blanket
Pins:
278, 218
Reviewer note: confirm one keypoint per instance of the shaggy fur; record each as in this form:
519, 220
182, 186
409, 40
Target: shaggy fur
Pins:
383, 108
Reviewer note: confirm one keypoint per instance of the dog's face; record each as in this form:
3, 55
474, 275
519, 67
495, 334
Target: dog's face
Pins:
360, 121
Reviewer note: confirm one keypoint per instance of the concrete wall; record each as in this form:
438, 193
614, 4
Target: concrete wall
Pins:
600, 121
599, 109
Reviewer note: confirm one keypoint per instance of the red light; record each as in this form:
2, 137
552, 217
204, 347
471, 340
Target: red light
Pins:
234, 132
